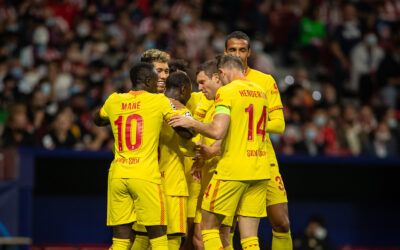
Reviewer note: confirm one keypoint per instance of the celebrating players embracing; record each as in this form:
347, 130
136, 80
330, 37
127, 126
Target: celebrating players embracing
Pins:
241, 177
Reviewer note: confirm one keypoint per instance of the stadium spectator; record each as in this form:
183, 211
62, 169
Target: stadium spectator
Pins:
63, 133
346, 36
365, 59
57, 53
383, 143
314, 236
312, 35
389, 76
17, 131
349, 131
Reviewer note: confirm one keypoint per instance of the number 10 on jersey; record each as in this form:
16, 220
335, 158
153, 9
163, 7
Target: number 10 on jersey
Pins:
128, 131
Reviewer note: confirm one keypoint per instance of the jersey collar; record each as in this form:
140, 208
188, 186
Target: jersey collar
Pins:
138, 92
247, 71
240, 78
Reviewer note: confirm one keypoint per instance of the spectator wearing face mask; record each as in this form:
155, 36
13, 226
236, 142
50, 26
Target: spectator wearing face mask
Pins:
389, 77
314, 236
311, 142
383, 143
365, 59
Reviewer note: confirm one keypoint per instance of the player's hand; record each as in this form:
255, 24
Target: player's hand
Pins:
196, 168
181, 121
207, 152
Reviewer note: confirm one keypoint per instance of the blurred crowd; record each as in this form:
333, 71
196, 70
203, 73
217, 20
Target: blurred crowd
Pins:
337, 65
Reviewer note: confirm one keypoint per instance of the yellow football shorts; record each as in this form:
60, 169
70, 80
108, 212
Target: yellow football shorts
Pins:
130, 200
227, 221
229, 198
176, 213
206, 177
194, 188
276, 192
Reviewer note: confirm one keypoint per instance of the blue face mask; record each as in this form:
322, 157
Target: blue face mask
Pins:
149, 45
320, 120
75, 89
46, 88
274, 138
17, 73
125, 74
310, 134
11, 47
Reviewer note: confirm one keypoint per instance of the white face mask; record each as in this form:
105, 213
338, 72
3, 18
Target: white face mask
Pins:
392, 123
371, 39
320, 233
257, 46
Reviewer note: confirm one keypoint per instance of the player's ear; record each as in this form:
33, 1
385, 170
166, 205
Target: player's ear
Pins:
249, 54
215, 76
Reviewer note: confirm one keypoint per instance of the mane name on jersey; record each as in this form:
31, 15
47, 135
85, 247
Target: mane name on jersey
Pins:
252, 93
130, 105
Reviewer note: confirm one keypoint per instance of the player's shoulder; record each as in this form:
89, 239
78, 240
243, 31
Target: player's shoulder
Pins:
196, 95
260, 77
253, 73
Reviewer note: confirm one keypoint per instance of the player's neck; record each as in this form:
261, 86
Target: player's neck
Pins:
236, 74
173, 94
141, 88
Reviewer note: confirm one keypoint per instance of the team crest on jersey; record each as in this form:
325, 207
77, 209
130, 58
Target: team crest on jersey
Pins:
217, 98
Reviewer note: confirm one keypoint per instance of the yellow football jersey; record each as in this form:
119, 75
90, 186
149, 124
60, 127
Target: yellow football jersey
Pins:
244, 146
136, 119
198, 105
211, 164
172, 155
193, 101
269, 86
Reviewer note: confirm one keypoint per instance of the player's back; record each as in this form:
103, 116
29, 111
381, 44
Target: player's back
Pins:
244, 147
172, 157
136, 119
268, 84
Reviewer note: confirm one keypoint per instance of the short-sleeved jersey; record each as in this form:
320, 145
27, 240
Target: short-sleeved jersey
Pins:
211, 164
198, 105
244, 146
136, 119
267, 83
172, 159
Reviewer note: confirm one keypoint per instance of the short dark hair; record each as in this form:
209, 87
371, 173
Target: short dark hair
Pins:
229, 61
142, 72
238, 35
209, 68
177, 80
177, 64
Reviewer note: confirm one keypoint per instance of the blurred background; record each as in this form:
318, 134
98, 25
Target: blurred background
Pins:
336, 63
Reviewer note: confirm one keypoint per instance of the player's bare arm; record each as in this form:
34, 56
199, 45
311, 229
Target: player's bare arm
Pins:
216, 129
208, 152
99, 121
276, 122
